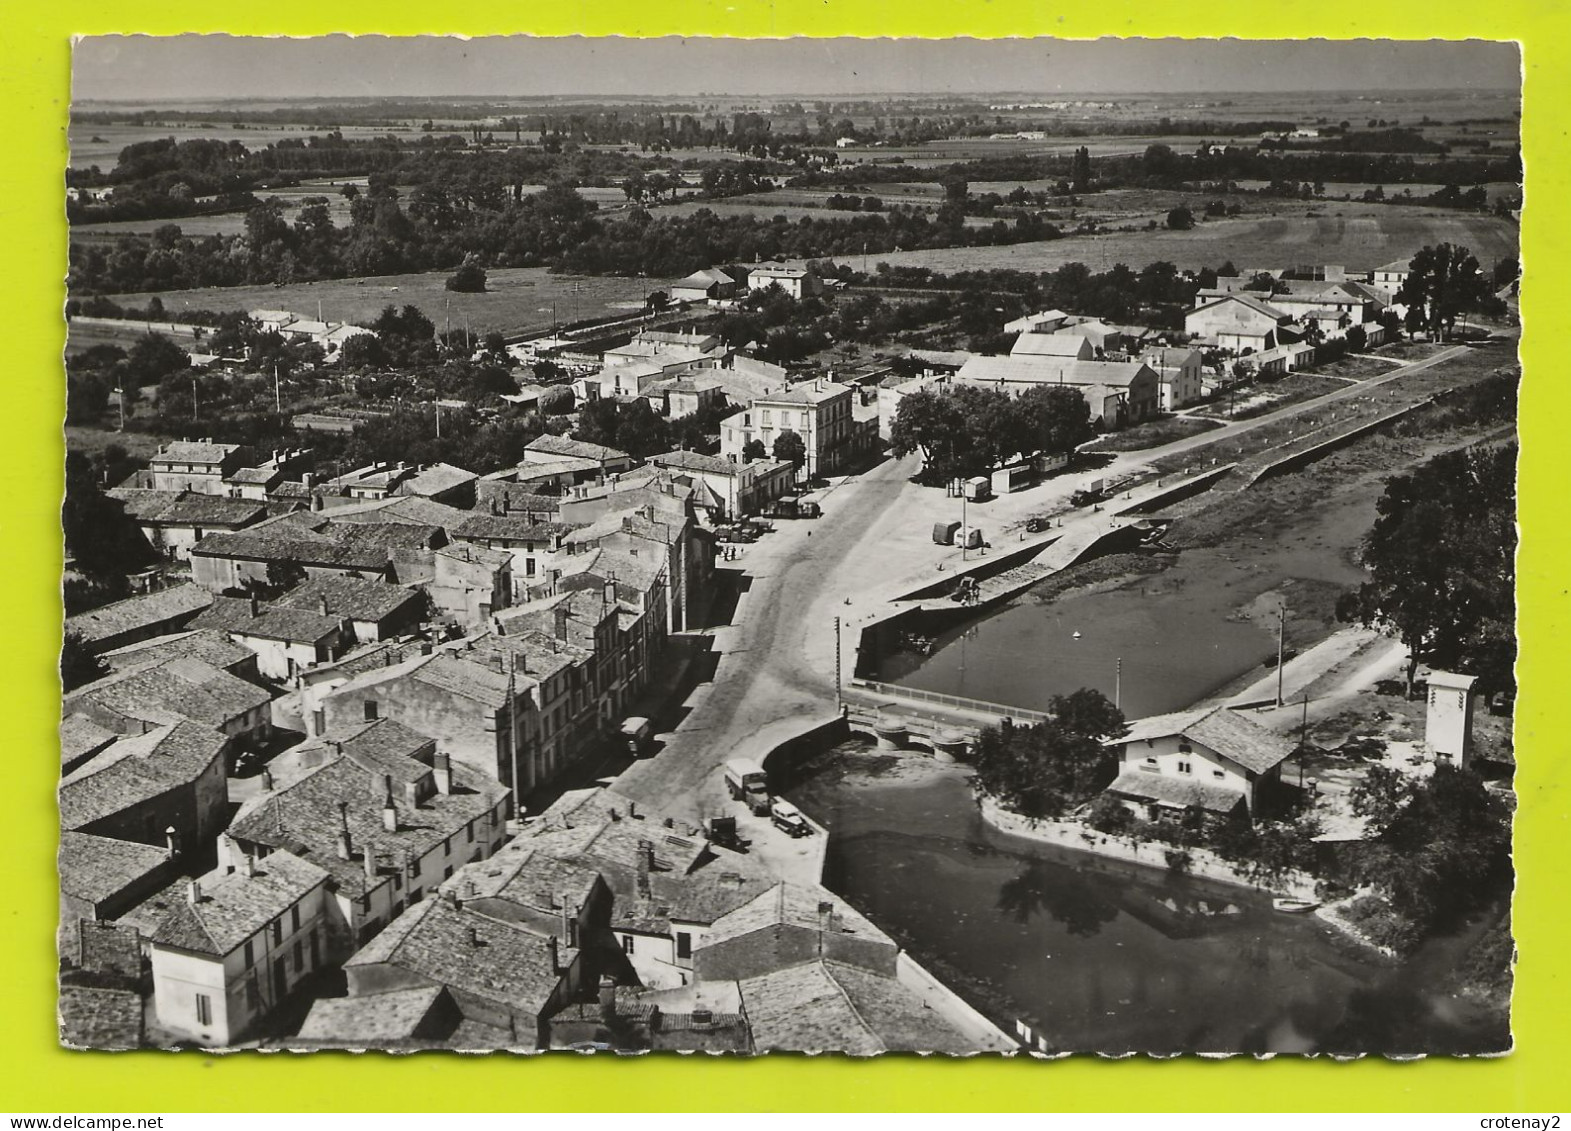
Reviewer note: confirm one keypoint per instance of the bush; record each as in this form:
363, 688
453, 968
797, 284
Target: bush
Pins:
1109, 815
1178, 860
468, 279
1382, 924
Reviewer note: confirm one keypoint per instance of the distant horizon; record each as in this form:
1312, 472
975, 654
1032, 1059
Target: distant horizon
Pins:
148, 69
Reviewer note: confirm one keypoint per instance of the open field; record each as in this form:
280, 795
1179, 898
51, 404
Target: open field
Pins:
1357, 239
94, 143
518, 299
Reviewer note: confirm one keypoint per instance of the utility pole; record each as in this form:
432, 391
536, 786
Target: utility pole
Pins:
839, 697
438, 421
965, 531
1118, 684
121, 390
278, 396
1281, 635
193, 399
1303, 737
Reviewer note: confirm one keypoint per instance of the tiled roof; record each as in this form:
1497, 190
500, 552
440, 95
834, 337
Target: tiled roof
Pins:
269, 622
512, 528
261, 475
194, 451
808, 392
988, 369
1396, 266
371, 1020
565, 446
406, 510
1049, 345
900, 1020
96, 1018
696, 461
207, 645
166, 605
1180, 791
437, 479
95, 868
358, 598
280, 547
478, 555
469, 952
135, 769
170, 690
303, 815
1221, 729
1170, 357
81, 736
1255, 304
788, 904
522, 873
234, 906
803, 1009
443, 670
188, 508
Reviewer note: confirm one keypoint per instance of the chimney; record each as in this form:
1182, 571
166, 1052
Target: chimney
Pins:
321, 603
609, 594
496, 664
171, 842
656, 1020
412, 794
443, 773
256, 607
561, 621
266, 780
308, 480
370, 866
247, 865
474, 935
193, 892
826, 917
344, 847
632, 810
556, 955
646, 863
702, 1016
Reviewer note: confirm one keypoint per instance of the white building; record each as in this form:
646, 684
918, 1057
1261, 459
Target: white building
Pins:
1212, 759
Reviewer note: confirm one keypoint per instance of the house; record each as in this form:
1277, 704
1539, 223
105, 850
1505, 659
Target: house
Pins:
495, 495
1103, 337
504, 979
628, 379
1073, 346
733, 488
710, 283
375, 610
237, 946
164, 789
206, 645
1043, 322
286, 640
174, 521
179, 688
788, 924
426, 1017
1237, 322
798, 282
101, 878
820, 412
549, 449
685, 396
80, 739
441, 483
271, 553
470, 582
1139, 388
272, 321
1388, 278
1177, 372
667, 357
378, 808
744, 379
531, 546
258, 481
120, 623
196, 465
1212, 759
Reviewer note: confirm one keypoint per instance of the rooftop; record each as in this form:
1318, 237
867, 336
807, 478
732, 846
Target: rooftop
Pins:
990, 369
357, 598
96, 868
371, 1020
170, 690
137, 768
1220, 729
231, 907
139, 612
191, 508
96, 1018
1179, 792
268, 622
565, 446
194, 451
826, 1006
437, 479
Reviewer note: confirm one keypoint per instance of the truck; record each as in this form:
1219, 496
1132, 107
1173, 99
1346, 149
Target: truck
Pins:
788, 818
747, 782
636, 731
978, 489
1093, 492
944, 533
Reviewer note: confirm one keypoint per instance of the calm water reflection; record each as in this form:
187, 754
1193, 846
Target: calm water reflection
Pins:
1102, 956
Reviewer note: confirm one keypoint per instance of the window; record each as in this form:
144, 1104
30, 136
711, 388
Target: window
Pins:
371, 710
469, 832
627, 944
414, 866
415, 895
447, 873
278, 932
204, 1008
1218, 774
684, 945
447, 846
250, 956
294, 918
1184, 767
299, 957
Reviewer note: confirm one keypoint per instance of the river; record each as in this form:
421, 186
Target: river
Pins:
1103, 956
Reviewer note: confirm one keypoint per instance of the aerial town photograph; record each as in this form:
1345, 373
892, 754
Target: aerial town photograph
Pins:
884, 546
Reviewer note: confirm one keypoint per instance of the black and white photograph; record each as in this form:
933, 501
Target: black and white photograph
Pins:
849, 546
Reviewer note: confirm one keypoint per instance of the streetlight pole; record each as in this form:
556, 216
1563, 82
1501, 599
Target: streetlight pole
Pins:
1281, 634
839, 697
965, 530
1118, 684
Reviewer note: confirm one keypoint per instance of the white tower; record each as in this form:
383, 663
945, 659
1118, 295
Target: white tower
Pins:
1448, 727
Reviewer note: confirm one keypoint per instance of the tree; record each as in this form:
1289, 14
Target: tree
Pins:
363, 351
790, 447
468, 279
1443, 282
1056, 419
1456, 609
152, 358
1180, 219
753, 450
1080, 170
1048, 769
78, 665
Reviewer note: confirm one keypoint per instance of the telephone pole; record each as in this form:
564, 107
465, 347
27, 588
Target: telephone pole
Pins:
1281, 635
839, 697
1118, 684
278, 396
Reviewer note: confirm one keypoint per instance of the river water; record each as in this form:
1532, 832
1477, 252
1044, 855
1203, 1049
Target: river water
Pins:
1103, 956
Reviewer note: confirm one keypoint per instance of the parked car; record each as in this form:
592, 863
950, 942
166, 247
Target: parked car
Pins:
636, 732
788, 818
733, 534
1036, 525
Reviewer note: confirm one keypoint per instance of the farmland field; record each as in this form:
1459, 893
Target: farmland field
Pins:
95, 143
1358, 240
519, 299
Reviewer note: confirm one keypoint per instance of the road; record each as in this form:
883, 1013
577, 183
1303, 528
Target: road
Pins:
776, 672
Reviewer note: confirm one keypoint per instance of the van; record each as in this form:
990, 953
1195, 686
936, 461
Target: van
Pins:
788, 818
636, 733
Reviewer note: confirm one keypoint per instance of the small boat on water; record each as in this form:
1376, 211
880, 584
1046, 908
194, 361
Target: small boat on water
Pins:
1293, 906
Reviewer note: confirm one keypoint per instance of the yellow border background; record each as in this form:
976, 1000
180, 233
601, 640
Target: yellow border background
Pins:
36, 1075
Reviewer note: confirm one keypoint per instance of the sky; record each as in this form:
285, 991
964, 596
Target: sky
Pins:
214, 67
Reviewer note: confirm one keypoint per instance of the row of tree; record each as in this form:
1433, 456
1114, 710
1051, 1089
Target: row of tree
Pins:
964, 430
